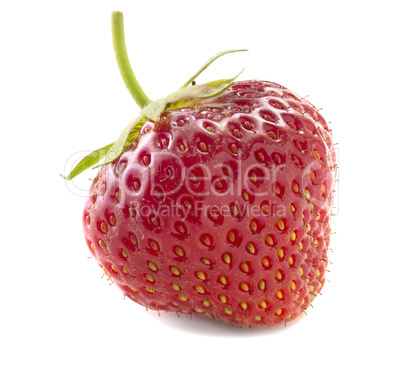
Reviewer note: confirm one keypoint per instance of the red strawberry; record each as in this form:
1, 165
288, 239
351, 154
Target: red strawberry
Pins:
220, 207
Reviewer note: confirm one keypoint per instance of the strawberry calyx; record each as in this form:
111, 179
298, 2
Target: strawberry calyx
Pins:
185, 96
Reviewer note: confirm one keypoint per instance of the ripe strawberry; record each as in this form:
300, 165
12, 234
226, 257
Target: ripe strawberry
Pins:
220, 206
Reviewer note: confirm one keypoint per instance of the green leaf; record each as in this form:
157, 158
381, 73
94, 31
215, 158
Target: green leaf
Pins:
217, 83
154, 110
220, 54
202, 91
117, 147
88, 161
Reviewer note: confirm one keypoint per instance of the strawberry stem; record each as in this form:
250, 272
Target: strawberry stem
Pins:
120, 51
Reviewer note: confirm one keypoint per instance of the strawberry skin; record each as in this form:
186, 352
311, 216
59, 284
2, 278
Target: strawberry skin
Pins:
221, 208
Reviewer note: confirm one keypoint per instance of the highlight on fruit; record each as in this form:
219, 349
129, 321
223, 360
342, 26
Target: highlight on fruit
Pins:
216, 200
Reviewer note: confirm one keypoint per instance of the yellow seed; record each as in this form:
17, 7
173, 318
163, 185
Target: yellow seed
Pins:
317, 154
278, 275
311, 288
293, 236
223, 298
260, 157
176, 286
280, 224
292, 208
297, 296
125, 270
318, 216
244, 287
235, 211
152, 266
257, 318
295, 187
203, 147
179, 251
265, 208
206, 303
245, 196
288, 317
175, 303
102, 244
133, 289
175, 270
300, 246
307, 194
150, 277
323, 189
206, 261
263, 304
104, 227
250, 247
183, 297
200, 289
201, 275
223, 280
149, 289
269, 240
279, 294
244, 305
302, 302
308, 228
278, 312
228, 311
226, 258
115, 269
292, 286
244, 266
290, 261
154, 245
253, 226
280, 253
93, 247
124, 253
317, 273
133, 239
261, 284
199, 310
231, 236
311, 207
206, 240
300, 271
265, 262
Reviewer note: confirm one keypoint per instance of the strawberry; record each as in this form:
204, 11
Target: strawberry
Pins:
216, 201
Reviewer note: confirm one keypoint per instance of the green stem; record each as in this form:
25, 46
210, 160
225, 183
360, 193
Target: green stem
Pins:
120, 51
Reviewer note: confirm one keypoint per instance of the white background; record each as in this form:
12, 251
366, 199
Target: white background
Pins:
61, 94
